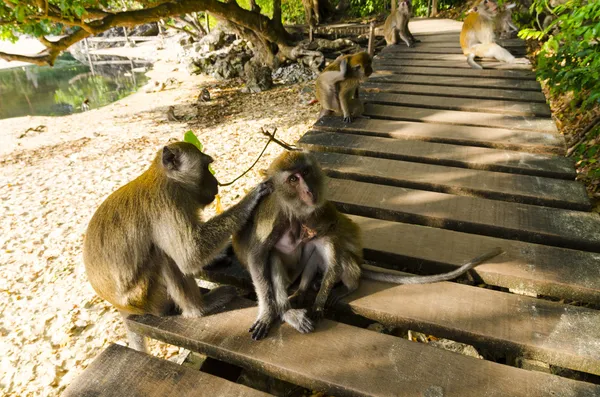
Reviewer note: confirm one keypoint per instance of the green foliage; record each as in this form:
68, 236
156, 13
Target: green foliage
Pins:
570, 57
292, 12
190, 137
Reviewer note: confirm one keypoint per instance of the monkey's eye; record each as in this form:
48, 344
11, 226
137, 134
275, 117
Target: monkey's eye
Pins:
293, 179
305, 172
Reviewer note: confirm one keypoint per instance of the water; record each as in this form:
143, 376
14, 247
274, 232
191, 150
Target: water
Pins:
60, 90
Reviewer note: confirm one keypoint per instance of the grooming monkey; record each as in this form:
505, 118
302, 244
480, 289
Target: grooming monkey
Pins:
146, 240
396, 25
336, 87
296, 230
504, 24
477, 36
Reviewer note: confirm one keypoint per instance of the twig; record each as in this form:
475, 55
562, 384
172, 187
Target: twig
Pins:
583, 135
271, 139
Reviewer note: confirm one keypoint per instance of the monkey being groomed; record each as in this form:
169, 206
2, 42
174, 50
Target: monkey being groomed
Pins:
477, 36
146, 240
296, 231
396, 25
336, 87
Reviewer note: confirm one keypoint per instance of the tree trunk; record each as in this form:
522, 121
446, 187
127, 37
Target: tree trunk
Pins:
434, 8
316, 11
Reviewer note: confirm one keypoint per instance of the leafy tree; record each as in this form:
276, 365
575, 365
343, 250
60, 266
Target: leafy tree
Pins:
74, 20
570, 57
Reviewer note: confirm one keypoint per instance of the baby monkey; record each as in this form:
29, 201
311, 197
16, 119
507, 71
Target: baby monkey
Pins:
336, 87
297, 231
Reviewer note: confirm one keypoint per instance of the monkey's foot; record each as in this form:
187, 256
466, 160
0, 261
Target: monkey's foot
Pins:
522, 61
298, 318
261, 327
192, 312
348, 119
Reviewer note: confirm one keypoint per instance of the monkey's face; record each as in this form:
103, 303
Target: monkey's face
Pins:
362, 64
185, 164
487, 8
404, 7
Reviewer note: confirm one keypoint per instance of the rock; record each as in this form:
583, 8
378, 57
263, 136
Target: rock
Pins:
258, 77
293, 73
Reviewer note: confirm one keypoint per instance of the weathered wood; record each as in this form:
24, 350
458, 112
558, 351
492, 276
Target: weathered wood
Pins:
500, 138
481, 82
446, 309
508, 74
557, 334
120, 371
468, 104
389, 56
455, 38
451, 43
462, 92
481, 119
381, 63
347, 361
442, 154
531, 223
438, 178
450, 49
527, 267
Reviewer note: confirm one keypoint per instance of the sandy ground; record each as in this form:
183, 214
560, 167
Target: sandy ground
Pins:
52, 324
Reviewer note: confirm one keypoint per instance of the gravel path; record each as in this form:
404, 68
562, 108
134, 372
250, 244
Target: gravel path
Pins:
52, 324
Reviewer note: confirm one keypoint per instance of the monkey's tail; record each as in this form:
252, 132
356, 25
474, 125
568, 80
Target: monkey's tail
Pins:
472, 63
396, 279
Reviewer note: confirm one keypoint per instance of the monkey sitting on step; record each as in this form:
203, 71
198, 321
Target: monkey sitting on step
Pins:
146, 240
336, 87
504, 24
477, 36
296, 230
396, 25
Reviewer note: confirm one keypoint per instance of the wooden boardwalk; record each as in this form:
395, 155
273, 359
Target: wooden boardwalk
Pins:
451, 163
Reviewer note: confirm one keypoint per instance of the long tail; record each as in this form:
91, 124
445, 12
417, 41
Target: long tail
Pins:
395, 279
472, 63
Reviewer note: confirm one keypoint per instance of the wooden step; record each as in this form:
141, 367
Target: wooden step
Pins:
388, 55
531, 223
478, 119
120, 371
526, 189
381, 63
508, 74
455, 38
530, 268
457, 103
448, 310
451, 81
453, 42
343, 360
450, 49
456, 92
499, 138
477, 158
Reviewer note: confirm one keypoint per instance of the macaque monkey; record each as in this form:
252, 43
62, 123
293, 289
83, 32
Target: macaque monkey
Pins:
396, 25
477, 36
204, 96
146, 240
171, 114
296, 230
336, 87
504, 24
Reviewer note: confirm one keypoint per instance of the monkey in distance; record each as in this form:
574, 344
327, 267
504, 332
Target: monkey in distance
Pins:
504, 24
296, 231
336, 87
396, 25
477, 36
146, 240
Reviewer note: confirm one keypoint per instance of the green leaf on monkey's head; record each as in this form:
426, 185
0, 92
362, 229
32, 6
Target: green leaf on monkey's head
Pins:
190, 137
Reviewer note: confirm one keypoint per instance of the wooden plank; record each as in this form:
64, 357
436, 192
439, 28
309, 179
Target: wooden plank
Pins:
381, 63
455, 38
347, 361
530, 223
526, 267
457, 117
389, 56
526, 189
557, 334
120, 371
481, 82
447, 309
450, 49
454, 42
500, 138
439, 90
508, 74
466, 104
442, 154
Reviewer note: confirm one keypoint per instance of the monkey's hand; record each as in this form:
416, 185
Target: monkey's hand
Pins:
262, 325
298, 318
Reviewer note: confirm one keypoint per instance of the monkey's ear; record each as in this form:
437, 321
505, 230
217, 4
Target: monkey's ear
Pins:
170, 158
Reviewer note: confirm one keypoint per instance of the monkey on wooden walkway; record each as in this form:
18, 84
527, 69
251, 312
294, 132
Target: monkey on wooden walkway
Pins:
396, 25
146, 240
477, 36
297, 231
